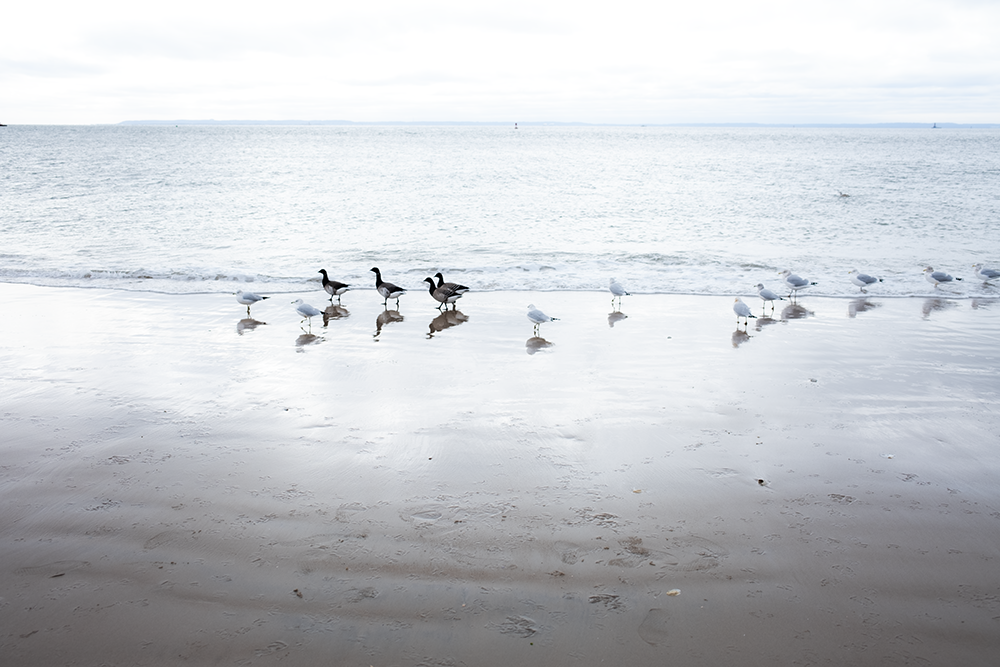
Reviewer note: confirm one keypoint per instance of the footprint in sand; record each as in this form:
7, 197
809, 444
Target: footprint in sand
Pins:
168, 536
518, 626
653, 629
692, 553
359, 594
568, 553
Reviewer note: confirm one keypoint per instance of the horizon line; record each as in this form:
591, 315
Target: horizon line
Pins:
897, 124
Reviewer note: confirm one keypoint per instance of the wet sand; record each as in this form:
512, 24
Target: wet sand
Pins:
180, 484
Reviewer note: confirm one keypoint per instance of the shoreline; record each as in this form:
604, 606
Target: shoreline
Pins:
315, 292
181, 484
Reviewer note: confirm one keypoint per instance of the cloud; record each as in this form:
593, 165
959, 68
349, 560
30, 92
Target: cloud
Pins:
629, 62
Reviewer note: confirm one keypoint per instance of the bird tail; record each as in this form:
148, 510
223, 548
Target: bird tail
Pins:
265, 297
957, 278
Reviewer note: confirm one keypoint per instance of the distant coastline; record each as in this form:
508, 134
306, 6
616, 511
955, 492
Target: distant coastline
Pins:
930, 125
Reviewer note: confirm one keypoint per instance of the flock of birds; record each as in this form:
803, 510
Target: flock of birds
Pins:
862, 280
446, 293
442, 292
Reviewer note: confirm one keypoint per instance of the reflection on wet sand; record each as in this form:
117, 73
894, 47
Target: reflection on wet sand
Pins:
447, 319
983, 303
335, 312
385, 318
615, 317
861, 305
536, 343
306, 339
740, 336
762, 322
795, 312
934, 305
247, 324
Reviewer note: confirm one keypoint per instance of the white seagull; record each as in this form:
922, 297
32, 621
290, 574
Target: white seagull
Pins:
537, 316
387, 290
742, 310
767, 295
249, 298
617, 290
794, 282
937, 277
862, 280
305, 310
985, 274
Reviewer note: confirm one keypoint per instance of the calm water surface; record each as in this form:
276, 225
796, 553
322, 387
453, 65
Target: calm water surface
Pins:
665, 210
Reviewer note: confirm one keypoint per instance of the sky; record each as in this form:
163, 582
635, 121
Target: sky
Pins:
627, 62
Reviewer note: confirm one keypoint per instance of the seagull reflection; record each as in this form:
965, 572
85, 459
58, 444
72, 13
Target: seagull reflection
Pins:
306, 339
932, 305
446, 320
983, 303
334, 312
860, 306
247, 324
740, 336
615, 317
535, 344
763, 322
795, 312
385, 318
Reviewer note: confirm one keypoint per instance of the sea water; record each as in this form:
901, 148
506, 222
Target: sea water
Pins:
663, 209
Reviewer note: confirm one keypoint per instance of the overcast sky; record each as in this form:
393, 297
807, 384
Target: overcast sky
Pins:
710, 61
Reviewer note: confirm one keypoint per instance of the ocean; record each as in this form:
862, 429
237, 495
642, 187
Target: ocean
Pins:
693, 210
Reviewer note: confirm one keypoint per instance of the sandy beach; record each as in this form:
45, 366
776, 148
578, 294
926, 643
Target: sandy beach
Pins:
182, 483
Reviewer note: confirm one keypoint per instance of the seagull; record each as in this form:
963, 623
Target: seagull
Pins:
537, 316
617, 291
767, 295
249, 298
794, 282
455, 287
443, 294
985, 274
742, 310
937, 277
305, 310
332, 287
387, 290
862, 280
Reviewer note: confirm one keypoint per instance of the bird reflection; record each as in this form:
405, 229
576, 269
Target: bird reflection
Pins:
334, 312
983, 303
860, 306
306, 339
763, 322
794, 311
740, 336
247, 324
447, 319
536, 343
385, 318
615, 317
932, 305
